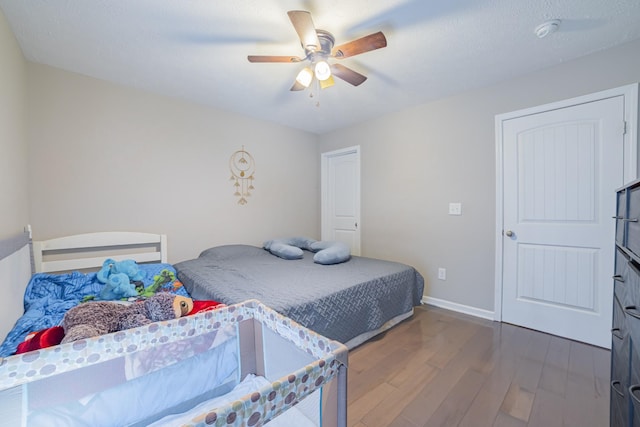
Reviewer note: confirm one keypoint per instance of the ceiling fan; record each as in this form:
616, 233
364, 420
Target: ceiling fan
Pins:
318, 47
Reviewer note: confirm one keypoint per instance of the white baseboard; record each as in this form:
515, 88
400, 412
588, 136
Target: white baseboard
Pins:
460, 308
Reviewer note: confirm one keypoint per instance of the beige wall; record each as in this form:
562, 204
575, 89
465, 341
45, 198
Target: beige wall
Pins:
14, 208
417, 161
14, 211
106, 157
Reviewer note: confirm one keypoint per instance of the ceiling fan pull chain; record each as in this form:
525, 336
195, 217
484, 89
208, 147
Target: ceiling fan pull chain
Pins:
317, 93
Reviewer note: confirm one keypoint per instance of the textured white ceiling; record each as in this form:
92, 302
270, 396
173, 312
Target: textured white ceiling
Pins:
197, 49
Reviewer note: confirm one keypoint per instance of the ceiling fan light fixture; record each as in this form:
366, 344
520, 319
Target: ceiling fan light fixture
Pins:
323, 71
305, 76
327, 83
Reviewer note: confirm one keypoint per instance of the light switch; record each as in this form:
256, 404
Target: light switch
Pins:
455, 208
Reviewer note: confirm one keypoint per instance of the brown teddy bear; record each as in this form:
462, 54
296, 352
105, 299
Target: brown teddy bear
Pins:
97, 318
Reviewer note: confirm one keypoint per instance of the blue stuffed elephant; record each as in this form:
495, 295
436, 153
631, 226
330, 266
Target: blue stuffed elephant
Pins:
118, 286
117, 277
127, 266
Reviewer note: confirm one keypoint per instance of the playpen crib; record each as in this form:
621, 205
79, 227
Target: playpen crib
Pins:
160, 372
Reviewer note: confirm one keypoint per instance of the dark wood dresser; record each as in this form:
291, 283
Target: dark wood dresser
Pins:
625, 332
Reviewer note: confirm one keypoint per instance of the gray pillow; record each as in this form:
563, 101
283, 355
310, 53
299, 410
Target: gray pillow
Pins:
329, 252
300, 242
285, 251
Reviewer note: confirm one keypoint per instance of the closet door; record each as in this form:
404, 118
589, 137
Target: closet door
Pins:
561, 169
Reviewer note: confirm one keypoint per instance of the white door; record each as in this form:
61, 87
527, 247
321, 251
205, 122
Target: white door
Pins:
341, 197
560, 172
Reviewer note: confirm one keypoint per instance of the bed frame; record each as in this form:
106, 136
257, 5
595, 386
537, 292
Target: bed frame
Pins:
20, 257
81, 251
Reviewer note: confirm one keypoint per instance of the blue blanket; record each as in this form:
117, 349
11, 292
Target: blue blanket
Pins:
49, 296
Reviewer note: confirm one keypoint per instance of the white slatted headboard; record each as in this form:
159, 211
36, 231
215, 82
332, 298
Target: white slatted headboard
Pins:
81, 250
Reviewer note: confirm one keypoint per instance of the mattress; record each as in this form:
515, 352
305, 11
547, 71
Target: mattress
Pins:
340, 301
290, 418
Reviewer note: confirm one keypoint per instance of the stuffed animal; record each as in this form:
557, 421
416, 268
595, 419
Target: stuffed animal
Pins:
127, 266
96, 318
41, 339
164, 277
118, 286
120, 279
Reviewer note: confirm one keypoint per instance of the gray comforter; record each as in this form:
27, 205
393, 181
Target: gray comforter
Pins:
339, 301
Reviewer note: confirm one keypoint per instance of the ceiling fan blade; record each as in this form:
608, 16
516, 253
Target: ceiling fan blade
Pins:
361, 45
347, 74
303, 25
271, 58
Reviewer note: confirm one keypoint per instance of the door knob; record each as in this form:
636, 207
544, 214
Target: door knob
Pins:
508, 233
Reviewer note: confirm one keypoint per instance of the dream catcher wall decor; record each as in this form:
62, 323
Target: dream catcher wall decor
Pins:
242, 169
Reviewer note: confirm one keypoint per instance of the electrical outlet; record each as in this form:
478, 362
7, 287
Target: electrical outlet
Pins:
442, 273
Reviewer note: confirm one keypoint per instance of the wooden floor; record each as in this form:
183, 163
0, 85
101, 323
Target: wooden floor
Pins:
442, 368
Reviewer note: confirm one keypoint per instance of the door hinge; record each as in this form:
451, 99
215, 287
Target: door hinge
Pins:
624, 127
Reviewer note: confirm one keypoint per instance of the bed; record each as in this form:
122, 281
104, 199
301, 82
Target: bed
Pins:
349, 302
65, 274
243, 364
